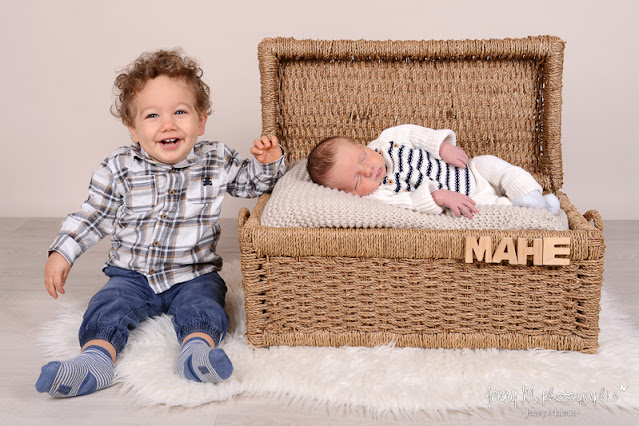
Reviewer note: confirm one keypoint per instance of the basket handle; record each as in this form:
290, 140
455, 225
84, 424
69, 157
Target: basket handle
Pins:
243, 216
595, 217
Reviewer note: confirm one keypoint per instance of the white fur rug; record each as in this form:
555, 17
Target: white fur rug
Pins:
379, 380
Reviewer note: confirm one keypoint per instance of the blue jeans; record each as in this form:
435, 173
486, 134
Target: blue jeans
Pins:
127, 299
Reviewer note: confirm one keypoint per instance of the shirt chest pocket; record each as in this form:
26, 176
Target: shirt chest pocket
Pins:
142, 194
203, 185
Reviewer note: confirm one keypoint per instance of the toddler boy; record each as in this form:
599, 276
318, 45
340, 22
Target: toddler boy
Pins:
421, 169
159, 199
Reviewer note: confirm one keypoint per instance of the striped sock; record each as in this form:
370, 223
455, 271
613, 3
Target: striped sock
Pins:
90, 371
200, 363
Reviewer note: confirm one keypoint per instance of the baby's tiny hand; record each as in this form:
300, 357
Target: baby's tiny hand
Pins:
453, 155
458, 203
266, 150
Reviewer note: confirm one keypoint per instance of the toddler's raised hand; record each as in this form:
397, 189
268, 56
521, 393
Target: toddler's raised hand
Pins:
56, 272
266, 150
458, 203
453, 155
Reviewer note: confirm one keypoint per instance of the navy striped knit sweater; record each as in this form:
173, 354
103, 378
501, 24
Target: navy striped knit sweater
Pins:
413, 167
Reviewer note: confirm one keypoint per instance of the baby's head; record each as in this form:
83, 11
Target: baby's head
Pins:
163, 101
342, 163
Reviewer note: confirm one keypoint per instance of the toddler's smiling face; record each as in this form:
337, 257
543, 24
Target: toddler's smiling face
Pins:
167, 124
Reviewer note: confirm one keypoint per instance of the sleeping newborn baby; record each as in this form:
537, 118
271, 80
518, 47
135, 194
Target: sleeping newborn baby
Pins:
421, 169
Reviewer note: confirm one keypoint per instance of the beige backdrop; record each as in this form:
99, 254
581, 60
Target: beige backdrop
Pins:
60, 58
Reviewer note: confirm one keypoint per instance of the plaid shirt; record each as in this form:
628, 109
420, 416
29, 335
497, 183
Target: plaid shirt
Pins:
162, 217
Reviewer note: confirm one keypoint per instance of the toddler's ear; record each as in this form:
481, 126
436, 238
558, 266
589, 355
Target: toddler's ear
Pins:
134, 135
202, 125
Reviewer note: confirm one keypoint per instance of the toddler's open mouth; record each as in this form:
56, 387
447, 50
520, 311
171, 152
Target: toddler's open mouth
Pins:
169, 143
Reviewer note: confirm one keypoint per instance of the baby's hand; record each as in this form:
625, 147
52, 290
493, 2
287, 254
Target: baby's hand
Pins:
458, 203
266, 150
453, 155
56, 272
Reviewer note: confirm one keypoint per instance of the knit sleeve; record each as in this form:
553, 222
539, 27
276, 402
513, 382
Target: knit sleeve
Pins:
419, 200
423, 199
417, 137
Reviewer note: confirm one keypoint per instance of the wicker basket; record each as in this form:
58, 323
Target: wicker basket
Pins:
364, 287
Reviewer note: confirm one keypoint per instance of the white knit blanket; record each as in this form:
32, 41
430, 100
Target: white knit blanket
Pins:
297, 202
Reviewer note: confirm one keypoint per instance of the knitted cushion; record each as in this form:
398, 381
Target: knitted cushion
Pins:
296, 202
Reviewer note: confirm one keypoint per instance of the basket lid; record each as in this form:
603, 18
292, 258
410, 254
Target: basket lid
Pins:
501, 97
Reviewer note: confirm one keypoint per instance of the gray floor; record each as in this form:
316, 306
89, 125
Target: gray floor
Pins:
25, 305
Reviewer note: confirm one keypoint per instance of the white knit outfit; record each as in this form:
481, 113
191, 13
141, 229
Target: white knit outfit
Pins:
415, 169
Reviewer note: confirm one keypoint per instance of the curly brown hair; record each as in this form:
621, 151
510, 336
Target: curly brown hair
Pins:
149, 65
322, 159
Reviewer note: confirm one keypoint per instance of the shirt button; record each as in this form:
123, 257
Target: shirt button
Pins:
151, 271
164, 216
172, 192
156, 243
